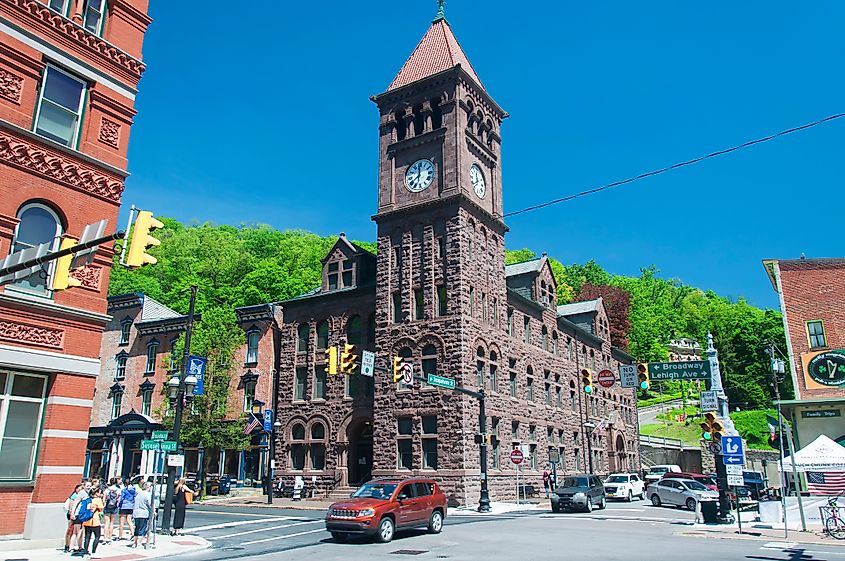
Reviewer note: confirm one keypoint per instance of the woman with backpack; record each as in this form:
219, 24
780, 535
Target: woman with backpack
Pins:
89, 513
111, 509
125, 508
71, 500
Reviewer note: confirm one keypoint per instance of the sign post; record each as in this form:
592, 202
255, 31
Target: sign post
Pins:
516, 459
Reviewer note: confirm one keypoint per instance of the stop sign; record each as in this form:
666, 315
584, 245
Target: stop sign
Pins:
517, 457
606, 378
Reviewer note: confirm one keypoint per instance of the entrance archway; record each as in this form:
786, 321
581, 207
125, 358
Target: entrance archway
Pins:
619, 454
360, 463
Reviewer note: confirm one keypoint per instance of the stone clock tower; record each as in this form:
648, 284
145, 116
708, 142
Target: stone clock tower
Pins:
440, 272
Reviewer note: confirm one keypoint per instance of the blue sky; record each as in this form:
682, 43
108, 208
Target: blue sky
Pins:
264, 117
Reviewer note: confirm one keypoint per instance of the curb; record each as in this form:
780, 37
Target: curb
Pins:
733, 534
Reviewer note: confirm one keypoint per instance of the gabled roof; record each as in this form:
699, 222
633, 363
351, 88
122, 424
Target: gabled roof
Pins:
154, 310
579, 307
437, 51
532, 266
354, 248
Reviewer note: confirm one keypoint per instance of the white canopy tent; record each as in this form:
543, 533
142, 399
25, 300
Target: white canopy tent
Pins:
821, 455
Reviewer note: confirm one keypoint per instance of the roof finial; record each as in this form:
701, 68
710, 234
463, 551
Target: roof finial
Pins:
441, 14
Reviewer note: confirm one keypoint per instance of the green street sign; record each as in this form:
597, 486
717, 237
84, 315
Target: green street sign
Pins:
689, 370
168, 445
150, 445
160, 435
441, 381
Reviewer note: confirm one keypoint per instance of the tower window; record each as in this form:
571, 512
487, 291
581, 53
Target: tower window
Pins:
399, 115
397, 307
436, 114
419, 120
441, 300
419, 304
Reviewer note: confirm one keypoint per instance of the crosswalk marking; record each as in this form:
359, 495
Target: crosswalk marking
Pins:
264, 529
239, 523
284, 537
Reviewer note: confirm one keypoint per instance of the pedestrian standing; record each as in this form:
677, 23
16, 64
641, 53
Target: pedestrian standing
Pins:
546, 481
92, 525
180, 501
125, 508
141, 515
82, 497
68, 508
111, 509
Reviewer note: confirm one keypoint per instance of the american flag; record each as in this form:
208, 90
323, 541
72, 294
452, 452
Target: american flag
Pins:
825, 482
252, 424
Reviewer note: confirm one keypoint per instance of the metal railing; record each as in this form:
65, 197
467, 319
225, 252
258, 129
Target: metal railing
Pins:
661, 441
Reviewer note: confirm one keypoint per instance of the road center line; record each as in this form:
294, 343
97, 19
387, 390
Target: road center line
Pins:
264, 529
284, 537
237, 523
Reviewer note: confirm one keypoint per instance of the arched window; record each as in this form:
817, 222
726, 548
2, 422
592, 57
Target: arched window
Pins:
544, 338
297, 447
322, 335
494, 371
555, 349
479, 368
317, 446
401, 129
152, 352
303, 334
39, 224
353, 331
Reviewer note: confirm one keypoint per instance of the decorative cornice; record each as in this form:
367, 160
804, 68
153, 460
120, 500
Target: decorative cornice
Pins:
54, 165
23, 300
41, 336
79, 36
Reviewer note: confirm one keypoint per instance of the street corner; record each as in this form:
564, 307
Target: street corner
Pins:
771, 537
164, 546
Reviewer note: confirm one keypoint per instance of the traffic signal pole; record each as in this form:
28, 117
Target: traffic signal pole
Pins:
722, 483
12, 269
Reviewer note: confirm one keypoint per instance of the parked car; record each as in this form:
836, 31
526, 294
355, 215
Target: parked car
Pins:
679, 492
624, 486
382, 506
756, 483
705, 480
581, 492
656, 472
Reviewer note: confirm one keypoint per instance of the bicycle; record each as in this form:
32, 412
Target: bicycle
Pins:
834, 523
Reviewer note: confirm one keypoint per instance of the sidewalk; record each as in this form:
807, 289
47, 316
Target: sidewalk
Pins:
115, 551
752, 532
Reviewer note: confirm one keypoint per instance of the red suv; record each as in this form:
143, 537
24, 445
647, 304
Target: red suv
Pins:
382, 506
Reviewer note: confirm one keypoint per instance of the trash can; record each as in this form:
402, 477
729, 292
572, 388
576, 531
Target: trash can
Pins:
710, 512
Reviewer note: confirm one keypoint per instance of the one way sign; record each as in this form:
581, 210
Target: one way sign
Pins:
732, 451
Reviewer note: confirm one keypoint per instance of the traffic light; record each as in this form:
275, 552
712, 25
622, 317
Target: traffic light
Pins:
141, 240
642, 375
712, 428
488, 438
61, 275
331, 360
587, 380
398, 361
347, 359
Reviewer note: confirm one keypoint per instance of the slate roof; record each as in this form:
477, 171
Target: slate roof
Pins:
154, 310
437, 51
532, 266
578, 307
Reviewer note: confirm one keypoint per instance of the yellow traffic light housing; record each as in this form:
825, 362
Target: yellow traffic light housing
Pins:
61, 274
348, 358
642, 375
141, 240
331, 360
712, 428
398, 361
587, 380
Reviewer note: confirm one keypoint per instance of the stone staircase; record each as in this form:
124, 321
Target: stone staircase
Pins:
340, 493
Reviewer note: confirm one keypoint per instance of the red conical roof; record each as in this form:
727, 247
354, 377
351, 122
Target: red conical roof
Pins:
438, 50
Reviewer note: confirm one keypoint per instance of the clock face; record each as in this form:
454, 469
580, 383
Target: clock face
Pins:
477, 180
419, 176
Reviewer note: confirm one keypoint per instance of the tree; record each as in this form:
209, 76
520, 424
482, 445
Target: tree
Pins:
617, 302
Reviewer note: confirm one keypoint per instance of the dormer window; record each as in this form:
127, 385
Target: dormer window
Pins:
333, 276
347, 273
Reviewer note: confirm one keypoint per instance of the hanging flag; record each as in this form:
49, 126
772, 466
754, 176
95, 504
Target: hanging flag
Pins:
825, 483
252, 424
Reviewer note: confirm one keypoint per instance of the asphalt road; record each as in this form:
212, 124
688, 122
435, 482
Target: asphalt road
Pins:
624, 531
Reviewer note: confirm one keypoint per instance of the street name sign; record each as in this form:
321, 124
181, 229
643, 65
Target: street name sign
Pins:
688, 370
628, 375
368, 363
517, 457
606, 378
735, 480
160, 434
150, 445
168, 445
732, 451
709, 401
441, 381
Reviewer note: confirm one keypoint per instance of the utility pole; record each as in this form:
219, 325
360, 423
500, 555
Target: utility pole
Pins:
179, 406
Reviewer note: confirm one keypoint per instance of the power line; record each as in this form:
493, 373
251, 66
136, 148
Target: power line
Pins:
674, 166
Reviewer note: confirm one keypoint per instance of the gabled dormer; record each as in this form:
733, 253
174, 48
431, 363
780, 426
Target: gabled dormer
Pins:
589, 315
534, 280
347, 266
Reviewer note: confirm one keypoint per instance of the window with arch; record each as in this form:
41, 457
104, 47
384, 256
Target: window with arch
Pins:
494, 371
303, 334
120, 366
38, 224
297, 447
544, 338
429, 359
555, 349
146, 401
125, 331
322, 335
152, 352
317, 446
479, 368
252, 339
354, 332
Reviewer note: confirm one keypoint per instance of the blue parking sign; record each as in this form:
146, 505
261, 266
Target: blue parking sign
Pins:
732, 451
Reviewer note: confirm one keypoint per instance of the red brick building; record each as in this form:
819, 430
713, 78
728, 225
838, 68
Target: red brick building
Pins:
69, 71
812, 301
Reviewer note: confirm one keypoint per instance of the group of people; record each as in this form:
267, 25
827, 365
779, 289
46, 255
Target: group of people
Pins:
94, 508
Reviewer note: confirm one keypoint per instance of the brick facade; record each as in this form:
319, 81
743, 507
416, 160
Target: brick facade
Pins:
79, 181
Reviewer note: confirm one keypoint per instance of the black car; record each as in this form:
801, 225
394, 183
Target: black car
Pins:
579, 492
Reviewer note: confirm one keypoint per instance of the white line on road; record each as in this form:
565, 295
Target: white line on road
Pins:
238, 523
779, 545
284, 537
265, 529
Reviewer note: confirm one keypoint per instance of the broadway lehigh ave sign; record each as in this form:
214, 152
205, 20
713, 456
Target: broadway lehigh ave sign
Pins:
690, 370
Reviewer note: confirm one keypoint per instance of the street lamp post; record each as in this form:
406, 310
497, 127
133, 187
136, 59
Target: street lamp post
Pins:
588, 427
272, 460
180, 394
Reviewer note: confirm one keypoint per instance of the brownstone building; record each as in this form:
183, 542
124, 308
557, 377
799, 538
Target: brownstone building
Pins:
69, 72
812, 301
439, 293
